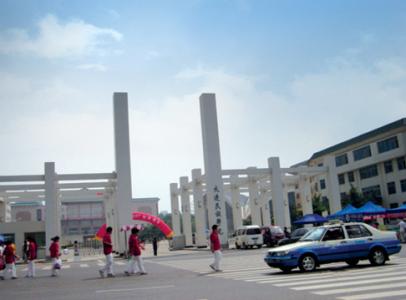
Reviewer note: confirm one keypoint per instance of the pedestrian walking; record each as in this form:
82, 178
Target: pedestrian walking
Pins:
108, 252
31, 256
55, 254
215, 248
155, 246
402, 230
135, 252
9, 258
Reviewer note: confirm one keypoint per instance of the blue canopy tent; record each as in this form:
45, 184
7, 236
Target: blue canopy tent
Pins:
371, 208
311, 219
400, 209
348, 210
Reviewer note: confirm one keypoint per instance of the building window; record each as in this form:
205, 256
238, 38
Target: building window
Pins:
388, 144
341, 160
362, 153
372, 192
394, 205
391, 187
322, 184
388, 166
39, 214
403, 185
369, 171
401, 163
351, 176
343, 196
341, 179
320, 164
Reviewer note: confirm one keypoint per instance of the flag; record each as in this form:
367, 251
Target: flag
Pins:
101, 232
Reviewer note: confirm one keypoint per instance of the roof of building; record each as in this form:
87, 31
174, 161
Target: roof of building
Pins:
360, 138
145, 200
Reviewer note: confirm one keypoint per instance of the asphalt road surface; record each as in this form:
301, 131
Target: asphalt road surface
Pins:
188, 276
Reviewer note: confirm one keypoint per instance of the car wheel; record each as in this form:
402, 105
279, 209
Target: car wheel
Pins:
377, 257
259, 246
286, 269
352, 262
244, 246
307, 263
236, 246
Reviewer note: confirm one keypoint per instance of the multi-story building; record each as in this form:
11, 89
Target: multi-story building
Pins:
373, 163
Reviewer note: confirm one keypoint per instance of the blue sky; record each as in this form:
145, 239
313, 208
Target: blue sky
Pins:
291, 77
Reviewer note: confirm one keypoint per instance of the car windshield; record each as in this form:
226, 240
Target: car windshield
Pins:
299, 232
314, 235
276, 230
252, 231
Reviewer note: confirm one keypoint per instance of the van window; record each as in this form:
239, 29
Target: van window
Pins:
252, 231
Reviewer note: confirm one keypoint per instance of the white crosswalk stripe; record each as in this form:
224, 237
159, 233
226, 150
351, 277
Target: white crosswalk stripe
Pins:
337, 280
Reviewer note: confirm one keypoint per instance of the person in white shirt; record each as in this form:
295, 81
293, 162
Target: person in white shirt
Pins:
402, 231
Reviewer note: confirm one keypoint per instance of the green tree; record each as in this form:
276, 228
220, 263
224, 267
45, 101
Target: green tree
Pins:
318, 205
354, 198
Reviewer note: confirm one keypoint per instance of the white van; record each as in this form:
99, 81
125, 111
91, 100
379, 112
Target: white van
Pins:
248, 237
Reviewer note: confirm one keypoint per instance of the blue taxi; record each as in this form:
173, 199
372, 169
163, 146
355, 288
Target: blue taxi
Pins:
348, 242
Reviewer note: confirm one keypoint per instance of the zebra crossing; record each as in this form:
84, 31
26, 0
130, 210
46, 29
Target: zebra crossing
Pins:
334, 280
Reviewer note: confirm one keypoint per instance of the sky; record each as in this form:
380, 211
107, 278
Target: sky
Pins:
290, 78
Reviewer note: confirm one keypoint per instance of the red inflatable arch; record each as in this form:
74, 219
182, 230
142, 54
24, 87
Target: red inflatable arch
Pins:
166, 230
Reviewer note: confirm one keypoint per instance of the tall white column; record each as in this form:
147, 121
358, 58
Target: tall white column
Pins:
264, 197
278, 201
235, 199
332, 185
175, 209
305, 194
212, 165
123, 213
286, 206
200, 216
52, 204
254, 199
186, 217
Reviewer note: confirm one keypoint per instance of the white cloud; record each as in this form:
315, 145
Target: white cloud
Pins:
57, 40
93, 67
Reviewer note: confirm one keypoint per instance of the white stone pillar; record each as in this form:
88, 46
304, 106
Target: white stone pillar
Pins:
278, 201
286, 206
52, 204
5, 210
123, 213
265, 209
235, 199
200, 215
212, 165
175, 209
254, 199
332, 185
186, 217
305, 194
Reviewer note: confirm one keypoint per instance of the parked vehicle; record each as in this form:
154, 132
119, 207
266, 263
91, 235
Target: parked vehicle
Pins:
294, 237
272, 235
349, 242
247, 237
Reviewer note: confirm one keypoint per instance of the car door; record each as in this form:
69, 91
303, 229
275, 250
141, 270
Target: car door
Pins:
333, 245
359, 240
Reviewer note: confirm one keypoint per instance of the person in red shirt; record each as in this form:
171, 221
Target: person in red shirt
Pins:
215, 248
134, 248
10, 258
108, 252
55, 254
31, 256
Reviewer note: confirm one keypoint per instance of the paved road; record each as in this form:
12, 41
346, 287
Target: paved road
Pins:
188, 276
